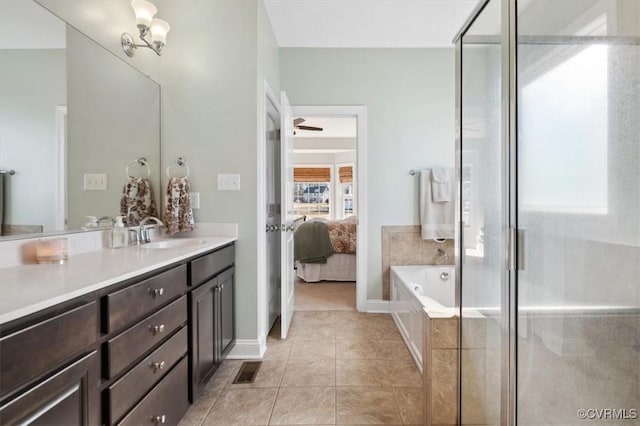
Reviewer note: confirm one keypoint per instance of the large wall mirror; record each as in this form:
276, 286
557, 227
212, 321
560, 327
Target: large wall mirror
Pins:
73, 116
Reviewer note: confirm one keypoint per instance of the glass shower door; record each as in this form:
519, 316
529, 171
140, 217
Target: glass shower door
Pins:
578, 181
482, 217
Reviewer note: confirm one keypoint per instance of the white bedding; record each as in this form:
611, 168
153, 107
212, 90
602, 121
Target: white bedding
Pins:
339, 267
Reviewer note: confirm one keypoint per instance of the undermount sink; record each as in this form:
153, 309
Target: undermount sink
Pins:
175, 243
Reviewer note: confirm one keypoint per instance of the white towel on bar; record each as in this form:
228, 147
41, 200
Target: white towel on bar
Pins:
436, 218
440, 185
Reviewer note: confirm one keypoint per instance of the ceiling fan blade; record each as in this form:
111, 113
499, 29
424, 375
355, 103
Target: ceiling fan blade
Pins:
298, 121
315, 129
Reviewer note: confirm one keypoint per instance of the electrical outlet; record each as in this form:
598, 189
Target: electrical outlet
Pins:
95, 181
195, 200
228, 182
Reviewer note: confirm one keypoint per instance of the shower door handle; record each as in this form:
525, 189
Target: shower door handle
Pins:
516, 249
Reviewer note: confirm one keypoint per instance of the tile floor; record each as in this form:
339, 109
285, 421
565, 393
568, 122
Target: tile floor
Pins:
336, 367
325, 296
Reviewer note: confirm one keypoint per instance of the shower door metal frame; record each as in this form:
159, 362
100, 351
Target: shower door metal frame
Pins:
509, 102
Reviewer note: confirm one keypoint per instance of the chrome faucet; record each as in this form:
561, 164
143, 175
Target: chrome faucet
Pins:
442, 254
109, 218
142, 235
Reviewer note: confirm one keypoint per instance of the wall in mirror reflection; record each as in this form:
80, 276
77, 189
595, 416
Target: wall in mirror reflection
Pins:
68, 107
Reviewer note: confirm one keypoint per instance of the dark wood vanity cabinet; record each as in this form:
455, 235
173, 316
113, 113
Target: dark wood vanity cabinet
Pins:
69, 397
212, 317
43, 382
129, 354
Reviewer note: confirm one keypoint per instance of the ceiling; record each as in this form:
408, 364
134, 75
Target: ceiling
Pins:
333, 127
338, 135
367, 23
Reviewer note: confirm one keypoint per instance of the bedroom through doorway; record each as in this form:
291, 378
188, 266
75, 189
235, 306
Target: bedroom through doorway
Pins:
325, 203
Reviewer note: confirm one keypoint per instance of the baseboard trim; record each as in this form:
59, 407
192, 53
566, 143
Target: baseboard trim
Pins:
378, 306
247, 349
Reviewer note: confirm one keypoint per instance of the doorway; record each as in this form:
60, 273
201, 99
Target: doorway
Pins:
269, 272
324, 190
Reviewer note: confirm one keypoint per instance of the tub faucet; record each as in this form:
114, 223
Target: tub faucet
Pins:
442, 254
143, 233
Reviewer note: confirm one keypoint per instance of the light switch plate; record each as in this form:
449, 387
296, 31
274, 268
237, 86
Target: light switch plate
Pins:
228, 182
195, 200
95, 181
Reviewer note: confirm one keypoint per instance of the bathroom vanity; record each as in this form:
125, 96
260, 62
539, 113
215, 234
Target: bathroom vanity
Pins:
125, 336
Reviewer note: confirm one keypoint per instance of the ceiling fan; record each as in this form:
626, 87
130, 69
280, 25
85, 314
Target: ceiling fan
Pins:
297, 125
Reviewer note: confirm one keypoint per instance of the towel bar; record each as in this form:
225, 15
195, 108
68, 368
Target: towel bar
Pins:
142, 161
179, 162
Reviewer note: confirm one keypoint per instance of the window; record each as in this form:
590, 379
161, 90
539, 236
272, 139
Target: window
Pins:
564, 134
346, 190
312, 192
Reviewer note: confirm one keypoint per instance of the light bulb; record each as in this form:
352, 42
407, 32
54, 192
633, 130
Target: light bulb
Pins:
159, 30
145, 12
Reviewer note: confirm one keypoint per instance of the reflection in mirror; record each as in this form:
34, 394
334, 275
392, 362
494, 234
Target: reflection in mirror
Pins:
72, 117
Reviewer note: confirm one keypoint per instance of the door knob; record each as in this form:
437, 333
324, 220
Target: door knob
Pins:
156, 291
157, 328
159, 419
158, 365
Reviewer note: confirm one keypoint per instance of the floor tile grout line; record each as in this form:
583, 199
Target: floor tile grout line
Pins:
213, 403
273, 407
395, 398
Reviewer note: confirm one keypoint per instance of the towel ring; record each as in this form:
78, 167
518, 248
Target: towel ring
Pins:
179, 162
143, 162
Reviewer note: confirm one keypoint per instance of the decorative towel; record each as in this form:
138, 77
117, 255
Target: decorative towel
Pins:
436, 218
440, 191
137, 200
178, 216
311, 242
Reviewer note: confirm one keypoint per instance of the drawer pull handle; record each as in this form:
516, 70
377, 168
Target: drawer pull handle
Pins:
159, 419
156, 291
222, 287
157, 328
158, 365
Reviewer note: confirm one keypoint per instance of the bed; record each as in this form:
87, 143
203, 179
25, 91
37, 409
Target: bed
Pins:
340, 262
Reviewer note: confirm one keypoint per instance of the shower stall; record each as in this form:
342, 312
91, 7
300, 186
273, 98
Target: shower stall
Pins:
548, 160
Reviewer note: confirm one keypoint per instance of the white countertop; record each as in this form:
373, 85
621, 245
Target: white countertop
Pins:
30, 288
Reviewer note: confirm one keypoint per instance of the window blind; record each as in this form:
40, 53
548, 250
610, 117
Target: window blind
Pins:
312, 174
346, 174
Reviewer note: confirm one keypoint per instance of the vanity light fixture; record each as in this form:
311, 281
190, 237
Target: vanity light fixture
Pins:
148, 26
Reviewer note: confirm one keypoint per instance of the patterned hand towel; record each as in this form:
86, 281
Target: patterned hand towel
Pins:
137, 200
178, 216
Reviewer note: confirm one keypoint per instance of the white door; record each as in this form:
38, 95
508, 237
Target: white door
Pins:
273, 220
286, 203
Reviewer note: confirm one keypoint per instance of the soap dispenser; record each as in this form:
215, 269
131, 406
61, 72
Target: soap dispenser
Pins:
118, 234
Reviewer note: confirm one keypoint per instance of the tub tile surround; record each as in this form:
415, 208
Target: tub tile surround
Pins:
403, 245
440, 367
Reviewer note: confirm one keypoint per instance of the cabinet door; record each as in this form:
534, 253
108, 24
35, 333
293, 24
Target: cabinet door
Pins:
68, 398
203, 334
227, 328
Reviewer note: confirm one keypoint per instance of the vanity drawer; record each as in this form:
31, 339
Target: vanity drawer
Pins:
204, 268
130, 344
130, 388
28, 353
127, 305
166, 403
